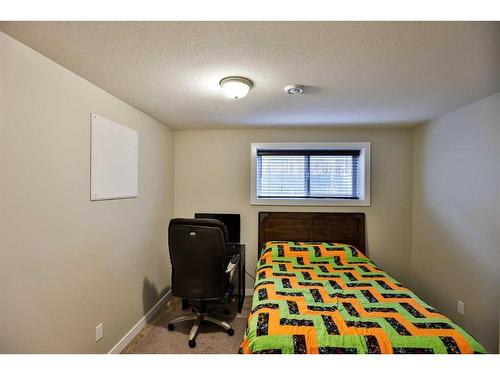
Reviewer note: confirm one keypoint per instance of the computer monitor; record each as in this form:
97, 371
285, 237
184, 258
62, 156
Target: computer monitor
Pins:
231, 221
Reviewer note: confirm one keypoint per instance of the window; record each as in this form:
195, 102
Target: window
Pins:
310, 174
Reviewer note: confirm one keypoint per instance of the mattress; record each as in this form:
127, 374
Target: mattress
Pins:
321, 297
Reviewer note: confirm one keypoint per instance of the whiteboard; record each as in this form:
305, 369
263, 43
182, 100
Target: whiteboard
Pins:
113, 160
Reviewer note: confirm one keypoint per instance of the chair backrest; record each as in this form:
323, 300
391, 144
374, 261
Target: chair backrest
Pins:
198, 255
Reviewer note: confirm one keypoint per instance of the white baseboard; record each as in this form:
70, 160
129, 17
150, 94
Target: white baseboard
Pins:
248, 292
140, 325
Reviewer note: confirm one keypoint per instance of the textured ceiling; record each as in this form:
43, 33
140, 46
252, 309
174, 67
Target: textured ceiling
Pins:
355, 73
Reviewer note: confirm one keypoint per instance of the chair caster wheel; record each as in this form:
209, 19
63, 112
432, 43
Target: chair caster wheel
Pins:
230, 331
170, 327
191, 343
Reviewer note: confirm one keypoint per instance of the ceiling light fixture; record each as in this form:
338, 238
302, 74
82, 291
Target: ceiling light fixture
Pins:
294, 89
236, 87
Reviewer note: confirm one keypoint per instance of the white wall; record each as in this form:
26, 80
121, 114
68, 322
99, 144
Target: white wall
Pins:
67, 264
456, 216
212, 174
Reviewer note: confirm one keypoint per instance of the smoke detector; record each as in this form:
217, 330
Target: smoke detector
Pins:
294, 89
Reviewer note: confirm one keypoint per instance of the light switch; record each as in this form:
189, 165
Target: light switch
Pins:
98, 332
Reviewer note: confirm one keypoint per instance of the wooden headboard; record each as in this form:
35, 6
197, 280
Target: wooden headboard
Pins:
342, 227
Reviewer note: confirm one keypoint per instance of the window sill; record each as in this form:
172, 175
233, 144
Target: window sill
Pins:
310, 202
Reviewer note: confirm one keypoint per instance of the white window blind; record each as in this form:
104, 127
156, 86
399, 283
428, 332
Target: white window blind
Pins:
308, 174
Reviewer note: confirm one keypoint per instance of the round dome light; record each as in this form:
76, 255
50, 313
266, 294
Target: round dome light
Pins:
236, 87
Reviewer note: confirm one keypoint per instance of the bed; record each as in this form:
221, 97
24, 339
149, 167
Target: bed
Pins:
317, 292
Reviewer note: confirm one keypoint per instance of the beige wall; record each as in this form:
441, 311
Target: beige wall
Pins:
212, 174
67, 264
456, 216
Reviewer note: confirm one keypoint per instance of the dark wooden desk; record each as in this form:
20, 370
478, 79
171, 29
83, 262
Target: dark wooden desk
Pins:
240, 274
239, 277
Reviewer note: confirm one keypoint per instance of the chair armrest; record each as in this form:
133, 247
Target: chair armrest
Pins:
231, 267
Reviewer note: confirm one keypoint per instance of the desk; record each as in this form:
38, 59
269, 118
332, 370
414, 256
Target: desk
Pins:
240, 274
239, 277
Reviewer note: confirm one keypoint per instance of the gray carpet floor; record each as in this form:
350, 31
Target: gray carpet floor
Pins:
155, 338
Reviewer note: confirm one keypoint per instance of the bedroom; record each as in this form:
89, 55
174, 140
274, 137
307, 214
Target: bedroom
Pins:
359, 161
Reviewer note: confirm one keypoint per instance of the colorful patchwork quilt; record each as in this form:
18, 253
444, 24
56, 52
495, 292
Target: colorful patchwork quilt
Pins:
321, 297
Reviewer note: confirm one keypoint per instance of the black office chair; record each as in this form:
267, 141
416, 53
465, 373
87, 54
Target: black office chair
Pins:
198, 255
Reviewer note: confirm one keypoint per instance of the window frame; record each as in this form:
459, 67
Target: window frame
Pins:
364, 174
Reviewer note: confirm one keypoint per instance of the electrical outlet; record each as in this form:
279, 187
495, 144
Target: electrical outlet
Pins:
99, 332
460, 307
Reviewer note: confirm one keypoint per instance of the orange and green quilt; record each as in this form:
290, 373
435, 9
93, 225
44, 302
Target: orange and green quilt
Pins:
321, 297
